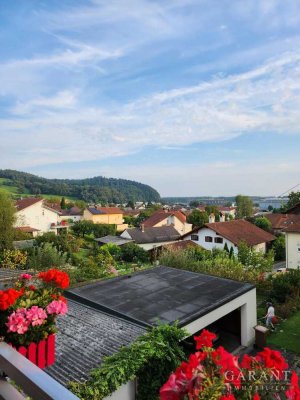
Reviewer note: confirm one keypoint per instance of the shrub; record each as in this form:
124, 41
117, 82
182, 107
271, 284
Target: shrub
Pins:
131, 252
279, 248
263, 223
151, 358
284, 284
114, 250
46, 256
13, 259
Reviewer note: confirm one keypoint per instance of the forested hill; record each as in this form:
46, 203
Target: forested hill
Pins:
97, 189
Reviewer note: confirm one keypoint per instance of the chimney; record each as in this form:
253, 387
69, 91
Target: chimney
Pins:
222, 217
211, 218
142, 227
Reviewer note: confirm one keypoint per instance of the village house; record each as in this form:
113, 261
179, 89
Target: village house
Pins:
105, 215
150, 238
292, 245
217, 234
282, 221
294, 210
35, 217
169, 218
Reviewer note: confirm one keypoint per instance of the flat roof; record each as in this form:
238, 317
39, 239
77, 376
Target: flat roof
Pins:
160, 295
119, 241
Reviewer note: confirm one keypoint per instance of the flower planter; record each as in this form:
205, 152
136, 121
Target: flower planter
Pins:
41, 354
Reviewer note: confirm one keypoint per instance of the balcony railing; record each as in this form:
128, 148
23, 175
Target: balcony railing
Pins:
28, 378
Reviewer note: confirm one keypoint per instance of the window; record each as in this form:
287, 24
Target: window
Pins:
298, 248
208, 238
195, 237
218, 240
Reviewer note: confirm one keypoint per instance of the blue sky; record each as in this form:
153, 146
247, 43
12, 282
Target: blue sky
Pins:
194, 97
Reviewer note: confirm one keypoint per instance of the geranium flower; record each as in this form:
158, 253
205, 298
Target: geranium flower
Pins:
26, 276
59, 278
17, 322
272, 359
205, 339
57, 307
36, 315
8, 298
293, 393
229, 396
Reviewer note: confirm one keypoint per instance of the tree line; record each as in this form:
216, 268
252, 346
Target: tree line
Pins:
98, 189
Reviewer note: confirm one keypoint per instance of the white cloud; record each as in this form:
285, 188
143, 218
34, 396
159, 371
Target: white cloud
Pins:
264, 99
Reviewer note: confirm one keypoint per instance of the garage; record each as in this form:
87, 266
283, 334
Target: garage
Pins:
168, 295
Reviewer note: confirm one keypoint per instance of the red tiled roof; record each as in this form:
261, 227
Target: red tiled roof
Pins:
27, 229
27, 202
160, 215
293, 228
240, 230
282, 221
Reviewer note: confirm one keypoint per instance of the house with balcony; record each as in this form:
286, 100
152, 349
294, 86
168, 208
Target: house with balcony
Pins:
34, 216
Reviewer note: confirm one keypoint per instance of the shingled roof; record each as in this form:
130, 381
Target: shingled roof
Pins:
240, 230
85, 336
27, 202
153, 235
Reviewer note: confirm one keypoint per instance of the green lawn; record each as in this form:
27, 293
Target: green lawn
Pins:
287, 335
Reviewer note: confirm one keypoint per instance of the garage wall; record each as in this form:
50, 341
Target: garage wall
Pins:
247, 303
125, 392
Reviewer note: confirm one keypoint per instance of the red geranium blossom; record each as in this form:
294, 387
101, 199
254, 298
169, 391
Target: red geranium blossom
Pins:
205, 339
293, 393
59, 278
8, 298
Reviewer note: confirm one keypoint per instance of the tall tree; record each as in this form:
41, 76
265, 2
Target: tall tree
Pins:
7, 219
63, 205
244, 206
294, 198
263, 223
197, 218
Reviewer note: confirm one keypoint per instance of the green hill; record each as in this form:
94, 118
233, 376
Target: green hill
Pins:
97, 189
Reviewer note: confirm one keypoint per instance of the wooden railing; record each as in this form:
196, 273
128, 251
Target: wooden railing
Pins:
28, 378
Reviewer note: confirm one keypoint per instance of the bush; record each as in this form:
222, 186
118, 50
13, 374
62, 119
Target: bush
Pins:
284, 284
131, 252
114, 250
279, 248
13, 259
60, 242
46, 256
263, 223
88, 269
253, 259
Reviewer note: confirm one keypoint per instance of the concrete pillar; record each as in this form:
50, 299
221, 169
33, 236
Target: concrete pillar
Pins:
248, 320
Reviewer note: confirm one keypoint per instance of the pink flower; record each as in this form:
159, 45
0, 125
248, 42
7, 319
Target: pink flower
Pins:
36, 315
26, 276
57, 307
17, 322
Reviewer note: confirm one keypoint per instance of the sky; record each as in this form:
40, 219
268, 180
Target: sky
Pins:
193, 97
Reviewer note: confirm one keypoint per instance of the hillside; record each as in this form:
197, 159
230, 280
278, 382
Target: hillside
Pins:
97, 189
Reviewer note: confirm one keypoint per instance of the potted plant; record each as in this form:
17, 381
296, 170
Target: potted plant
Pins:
29, 311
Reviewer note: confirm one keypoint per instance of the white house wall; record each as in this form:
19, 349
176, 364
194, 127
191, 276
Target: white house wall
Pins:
125, 392
210, 245
151, 246
292, 243
36, 216
247, 302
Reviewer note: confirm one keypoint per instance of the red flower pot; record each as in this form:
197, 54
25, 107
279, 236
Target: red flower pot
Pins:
41, 354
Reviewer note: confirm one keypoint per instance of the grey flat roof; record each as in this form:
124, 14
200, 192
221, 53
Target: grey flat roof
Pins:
119, 241
85, 336
160, 294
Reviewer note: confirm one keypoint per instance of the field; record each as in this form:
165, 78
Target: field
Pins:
287, 335
13, 191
